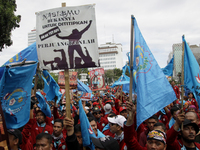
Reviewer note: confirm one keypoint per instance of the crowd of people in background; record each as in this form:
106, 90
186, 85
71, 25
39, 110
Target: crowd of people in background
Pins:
113, 120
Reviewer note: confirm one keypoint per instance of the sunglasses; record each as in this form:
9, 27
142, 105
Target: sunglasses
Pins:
97, 113
112, 124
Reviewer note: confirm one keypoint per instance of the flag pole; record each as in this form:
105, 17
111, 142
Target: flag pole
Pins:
36, 79
182, 77
67, 87
131, 60
121, 93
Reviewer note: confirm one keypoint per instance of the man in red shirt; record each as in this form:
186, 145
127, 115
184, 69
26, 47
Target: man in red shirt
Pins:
101, 121
156, 140
150, 124
36, 126
57, 136
116, 126
176, 89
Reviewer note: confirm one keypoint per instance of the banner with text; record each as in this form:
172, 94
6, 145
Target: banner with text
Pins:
67, 38
72, 80
97, 79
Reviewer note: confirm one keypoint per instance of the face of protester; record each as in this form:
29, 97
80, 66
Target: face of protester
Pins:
172, 83
175, 114
150, 123
124, 113
155, 145
97, 115
57, 129
190, 95
13, 141
40, 117
52, 109
43, 144
192, 117
188, 133
158, 128
79, 138
114, 128
94, 126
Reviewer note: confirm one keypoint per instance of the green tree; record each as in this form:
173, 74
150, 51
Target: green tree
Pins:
112, 75
55, 76
8, 22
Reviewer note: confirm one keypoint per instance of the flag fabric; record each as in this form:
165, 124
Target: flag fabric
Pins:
51, 88
191, 72
86, 129
153, 89
15, 94
82, 87
30, 53
44, 107
123, 80
168, 70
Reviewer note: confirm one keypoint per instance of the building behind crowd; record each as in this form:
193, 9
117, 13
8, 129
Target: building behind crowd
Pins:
110, 54
177, 52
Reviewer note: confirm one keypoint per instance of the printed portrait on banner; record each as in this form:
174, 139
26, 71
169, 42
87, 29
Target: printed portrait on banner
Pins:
66, 38
97, 79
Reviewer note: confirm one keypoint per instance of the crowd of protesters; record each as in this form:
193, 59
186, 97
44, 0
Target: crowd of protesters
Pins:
113, 120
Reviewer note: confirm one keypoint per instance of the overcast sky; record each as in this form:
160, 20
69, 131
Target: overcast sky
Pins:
162, 23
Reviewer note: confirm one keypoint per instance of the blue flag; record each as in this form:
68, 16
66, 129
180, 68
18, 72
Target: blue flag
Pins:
82, 87
44, 107
15, 94
86, 130
191, 72
51, 88
153, 89
30, 53
168, 70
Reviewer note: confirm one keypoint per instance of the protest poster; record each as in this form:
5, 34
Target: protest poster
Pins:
3, 133
68, 36
97, 79
72, 80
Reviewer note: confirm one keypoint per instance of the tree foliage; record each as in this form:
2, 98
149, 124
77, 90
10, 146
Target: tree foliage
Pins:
112, 75
8, 21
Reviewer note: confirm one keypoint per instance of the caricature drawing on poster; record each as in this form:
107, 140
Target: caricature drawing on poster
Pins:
97, 79
66, 38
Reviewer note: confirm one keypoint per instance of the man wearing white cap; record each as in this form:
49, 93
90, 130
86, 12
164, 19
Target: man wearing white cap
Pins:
116, 127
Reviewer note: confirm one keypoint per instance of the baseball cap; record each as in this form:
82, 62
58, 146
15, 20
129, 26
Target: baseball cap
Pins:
157, 135
119, 119
95, 109
107, 108
95, 103
121, 109
189, 123
107, 143
16, 133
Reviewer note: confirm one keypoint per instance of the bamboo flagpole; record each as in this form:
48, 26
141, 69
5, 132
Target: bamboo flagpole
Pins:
36, 79
67, 87
182, 77
131, 60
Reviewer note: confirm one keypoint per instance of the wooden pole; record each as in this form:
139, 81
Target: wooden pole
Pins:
36, 79
121, 93
182, 77
67, 94
67, 87
131, 60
